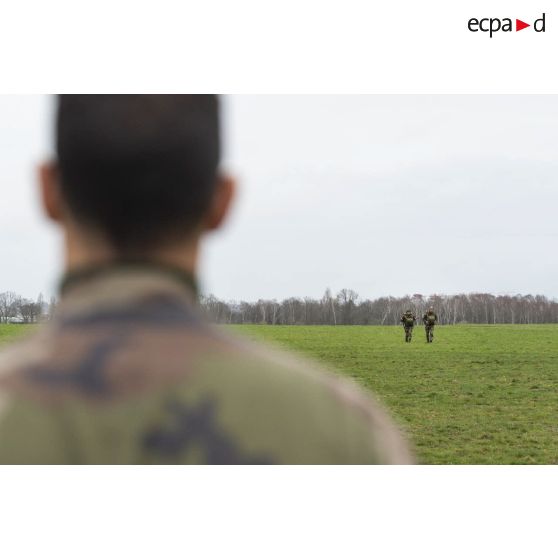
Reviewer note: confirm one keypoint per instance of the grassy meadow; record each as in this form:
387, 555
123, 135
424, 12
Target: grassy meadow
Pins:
478, 394
10, 332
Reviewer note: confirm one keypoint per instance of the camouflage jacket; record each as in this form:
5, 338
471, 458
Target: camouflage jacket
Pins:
427, 314
408, 320
128, 372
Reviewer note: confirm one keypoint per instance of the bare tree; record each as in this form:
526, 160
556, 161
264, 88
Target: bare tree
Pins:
29, 311
347, 301
328, 308
9, 303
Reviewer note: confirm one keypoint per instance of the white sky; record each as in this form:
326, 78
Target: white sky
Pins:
382, 194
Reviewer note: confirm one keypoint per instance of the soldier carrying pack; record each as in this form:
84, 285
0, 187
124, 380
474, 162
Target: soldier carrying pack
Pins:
408, 320
430, 319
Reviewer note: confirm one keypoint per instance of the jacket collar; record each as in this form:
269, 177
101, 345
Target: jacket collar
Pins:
121, 284
129, 268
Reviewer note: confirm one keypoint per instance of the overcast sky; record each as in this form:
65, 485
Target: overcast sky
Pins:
387, 195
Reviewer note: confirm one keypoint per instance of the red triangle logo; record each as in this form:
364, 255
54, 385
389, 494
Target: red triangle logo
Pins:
519, 25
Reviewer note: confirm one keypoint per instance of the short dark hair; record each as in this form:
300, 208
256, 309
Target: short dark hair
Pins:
140, 169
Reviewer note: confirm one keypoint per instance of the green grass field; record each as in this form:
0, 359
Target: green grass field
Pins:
478, 394
10, 332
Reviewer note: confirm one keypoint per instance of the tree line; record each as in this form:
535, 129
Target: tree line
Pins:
344, 308
347, 308
17, 309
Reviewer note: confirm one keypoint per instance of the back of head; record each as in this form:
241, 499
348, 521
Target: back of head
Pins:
138, 169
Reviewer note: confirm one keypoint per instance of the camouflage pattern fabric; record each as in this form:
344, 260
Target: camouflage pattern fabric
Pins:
429, 329
408, 320
430, 319
129, 373
408, 333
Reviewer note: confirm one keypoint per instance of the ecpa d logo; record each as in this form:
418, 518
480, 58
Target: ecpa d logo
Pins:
493, 25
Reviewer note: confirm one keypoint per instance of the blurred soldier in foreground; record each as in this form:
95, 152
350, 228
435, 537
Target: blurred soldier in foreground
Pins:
128, 371
430, 319
408, 320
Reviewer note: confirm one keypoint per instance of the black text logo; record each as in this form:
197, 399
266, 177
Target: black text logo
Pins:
493, 25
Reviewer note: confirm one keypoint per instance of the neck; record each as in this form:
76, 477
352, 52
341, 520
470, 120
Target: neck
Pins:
82, 253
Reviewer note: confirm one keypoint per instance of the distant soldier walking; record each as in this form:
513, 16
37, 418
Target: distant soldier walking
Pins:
430, 319
408, 320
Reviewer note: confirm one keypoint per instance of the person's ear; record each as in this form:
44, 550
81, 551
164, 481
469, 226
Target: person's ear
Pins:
221, 202
50, 194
